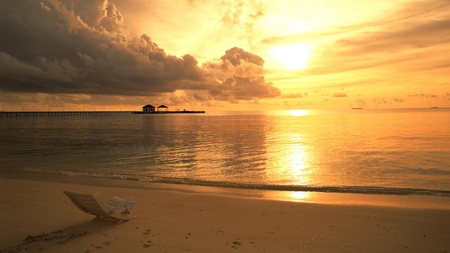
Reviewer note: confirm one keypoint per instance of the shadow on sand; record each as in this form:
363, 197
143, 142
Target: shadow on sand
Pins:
55, 239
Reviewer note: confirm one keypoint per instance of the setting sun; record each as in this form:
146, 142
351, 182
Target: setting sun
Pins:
292, 57
241, 125
211, 55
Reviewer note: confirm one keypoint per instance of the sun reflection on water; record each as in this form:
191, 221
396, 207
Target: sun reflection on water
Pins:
298, 113
296, 161
290, 158
300, 196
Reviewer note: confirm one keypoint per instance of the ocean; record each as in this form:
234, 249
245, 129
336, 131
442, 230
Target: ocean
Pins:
391, 151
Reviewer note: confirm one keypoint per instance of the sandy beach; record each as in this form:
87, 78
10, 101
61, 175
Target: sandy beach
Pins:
35, 216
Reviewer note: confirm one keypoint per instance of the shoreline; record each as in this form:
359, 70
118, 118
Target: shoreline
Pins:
36, 216
336, 198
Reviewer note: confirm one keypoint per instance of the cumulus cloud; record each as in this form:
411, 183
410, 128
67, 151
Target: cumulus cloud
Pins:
240, 76
78, 47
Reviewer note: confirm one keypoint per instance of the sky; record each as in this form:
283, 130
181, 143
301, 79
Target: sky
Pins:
224, 55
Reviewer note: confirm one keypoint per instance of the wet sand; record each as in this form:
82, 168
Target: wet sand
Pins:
35, 216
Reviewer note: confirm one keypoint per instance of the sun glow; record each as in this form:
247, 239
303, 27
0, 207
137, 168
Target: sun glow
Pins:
298, 113
292, 56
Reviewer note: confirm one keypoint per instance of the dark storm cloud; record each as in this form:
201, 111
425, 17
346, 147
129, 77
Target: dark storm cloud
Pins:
78, 47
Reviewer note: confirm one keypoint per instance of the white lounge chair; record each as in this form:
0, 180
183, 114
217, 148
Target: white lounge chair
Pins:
114, 210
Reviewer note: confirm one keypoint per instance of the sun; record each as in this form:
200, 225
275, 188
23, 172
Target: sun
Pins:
292, 56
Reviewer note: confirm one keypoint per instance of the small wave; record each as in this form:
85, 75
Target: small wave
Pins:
430, 171
309, 188
377, 190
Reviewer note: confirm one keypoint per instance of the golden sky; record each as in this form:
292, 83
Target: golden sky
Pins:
222, 55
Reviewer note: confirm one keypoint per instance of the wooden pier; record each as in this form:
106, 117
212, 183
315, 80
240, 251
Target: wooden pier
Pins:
59, 113
165, 112
73, 113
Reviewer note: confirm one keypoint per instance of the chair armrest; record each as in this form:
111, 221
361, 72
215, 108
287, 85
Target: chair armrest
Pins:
120, 205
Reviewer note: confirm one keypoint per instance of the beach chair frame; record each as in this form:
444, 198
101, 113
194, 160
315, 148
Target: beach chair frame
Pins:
114, 210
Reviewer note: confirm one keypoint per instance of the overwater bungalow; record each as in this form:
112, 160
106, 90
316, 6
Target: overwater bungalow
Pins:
162, 109
148, 108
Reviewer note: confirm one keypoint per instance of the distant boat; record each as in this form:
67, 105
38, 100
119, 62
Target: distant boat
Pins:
357, 108
434, 107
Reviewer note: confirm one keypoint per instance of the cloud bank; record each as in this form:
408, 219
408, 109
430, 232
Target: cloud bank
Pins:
78, 47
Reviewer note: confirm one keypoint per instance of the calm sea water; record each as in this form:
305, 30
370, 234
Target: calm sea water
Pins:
405, 151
